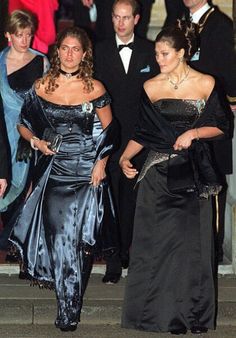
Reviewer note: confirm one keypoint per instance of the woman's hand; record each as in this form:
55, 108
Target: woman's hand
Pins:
98, 173
3, 186
184, 141
127, 168
42, 145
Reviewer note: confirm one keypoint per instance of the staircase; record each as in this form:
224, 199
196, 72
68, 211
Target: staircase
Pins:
22, 305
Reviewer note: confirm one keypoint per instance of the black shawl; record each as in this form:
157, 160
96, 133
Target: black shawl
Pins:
154, 132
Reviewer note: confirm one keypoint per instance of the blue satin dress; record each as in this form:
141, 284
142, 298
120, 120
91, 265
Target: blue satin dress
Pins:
60, 226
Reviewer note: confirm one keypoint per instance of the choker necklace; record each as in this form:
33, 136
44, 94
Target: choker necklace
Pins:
176, 84
69, 75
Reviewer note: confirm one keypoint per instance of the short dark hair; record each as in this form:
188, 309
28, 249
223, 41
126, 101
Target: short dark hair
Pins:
133, 3
180, 35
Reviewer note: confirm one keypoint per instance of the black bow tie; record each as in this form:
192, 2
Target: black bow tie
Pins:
129, 45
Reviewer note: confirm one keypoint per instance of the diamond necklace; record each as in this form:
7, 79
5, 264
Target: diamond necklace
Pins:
69, 75
176, 84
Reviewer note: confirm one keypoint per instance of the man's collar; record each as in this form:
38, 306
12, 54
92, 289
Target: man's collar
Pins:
196, 16
119, 42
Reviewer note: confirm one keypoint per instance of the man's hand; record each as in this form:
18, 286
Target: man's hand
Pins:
87, 3
3, 186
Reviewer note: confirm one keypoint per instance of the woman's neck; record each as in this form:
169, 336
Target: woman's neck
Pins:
14, 55
178, 76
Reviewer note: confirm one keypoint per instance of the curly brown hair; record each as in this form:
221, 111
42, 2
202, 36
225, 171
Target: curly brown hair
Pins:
85, 66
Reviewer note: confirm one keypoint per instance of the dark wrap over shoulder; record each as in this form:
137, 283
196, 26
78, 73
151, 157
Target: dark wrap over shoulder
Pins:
154, 132
29, 229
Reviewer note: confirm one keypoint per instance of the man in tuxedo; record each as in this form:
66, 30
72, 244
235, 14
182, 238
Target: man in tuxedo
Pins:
123, 63
104, 26
3, 154
216, 57
174, 10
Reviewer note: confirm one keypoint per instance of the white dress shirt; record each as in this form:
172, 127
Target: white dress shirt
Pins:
125, 53
196, 16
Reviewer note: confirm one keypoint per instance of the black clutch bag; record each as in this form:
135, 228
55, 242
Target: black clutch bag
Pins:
54, 138
24, 151
180, 177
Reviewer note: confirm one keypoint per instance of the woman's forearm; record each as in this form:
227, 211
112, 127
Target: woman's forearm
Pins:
132, 149
25, 132
184, 141
206, 132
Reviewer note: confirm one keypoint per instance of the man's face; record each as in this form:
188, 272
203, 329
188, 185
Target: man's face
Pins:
194, 5
124, 21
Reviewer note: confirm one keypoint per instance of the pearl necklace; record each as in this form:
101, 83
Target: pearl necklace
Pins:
69, 75
176, 84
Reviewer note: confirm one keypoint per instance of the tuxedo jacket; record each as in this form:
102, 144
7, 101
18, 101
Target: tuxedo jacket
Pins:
217, 58
3, 145
125, 89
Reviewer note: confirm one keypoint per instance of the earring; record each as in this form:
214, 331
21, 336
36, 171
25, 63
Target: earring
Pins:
181, 59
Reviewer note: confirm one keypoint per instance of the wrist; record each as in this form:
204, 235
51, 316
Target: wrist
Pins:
33, 142
123, 158
103, 163
197, 137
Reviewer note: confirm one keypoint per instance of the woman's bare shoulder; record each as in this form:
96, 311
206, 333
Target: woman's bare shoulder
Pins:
208, 82
98, 88
154, 86
204, 83
153, 81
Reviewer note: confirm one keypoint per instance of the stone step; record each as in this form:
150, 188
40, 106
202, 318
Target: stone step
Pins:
22, 304
100, 331
99, 312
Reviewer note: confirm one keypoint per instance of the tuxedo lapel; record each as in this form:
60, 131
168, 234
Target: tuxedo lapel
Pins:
115, 60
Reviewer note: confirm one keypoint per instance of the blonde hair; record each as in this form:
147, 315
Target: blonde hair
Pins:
21, 19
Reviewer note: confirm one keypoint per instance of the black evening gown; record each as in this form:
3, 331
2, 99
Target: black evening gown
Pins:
22, 80
60, 226
171, 279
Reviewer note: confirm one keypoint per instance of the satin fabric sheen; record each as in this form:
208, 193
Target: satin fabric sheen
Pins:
171, 279
12, 102
60, 227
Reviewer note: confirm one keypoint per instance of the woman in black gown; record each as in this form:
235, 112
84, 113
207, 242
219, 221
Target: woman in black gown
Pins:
60, 226
171, 279
20, 66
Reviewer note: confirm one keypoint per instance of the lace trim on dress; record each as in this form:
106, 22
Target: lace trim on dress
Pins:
152, 159
204, 190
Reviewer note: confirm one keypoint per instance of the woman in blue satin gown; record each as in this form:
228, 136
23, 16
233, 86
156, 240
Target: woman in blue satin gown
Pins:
171, 280
59, 228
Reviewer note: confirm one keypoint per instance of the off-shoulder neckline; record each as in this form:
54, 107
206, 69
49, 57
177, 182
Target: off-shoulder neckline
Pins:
69, 105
